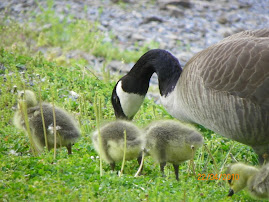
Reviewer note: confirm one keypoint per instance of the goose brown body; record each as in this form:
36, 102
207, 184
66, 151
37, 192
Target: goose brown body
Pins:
226, 89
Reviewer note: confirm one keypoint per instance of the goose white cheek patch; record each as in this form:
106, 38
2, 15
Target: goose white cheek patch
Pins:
130, 102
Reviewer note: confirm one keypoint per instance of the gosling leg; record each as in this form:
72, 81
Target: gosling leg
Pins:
162, 168
69, 149
112, 166
139, 160
176, 171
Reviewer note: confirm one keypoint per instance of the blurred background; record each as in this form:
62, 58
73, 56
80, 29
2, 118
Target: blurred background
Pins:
183, 27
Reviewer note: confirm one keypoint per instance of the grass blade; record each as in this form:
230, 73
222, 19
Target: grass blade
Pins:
124, 154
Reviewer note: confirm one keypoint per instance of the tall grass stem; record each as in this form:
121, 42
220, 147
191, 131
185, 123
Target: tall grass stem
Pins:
97, 108
124, 153
141, 164
43, 120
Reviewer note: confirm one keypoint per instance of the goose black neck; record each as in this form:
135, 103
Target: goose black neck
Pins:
164, 64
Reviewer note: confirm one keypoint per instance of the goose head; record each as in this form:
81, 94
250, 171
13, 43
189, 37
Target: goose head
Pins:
130, 90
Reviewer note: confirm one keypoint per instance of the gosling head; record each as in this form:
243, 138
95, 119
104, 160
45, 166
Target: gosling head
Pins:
244, 172
28, 97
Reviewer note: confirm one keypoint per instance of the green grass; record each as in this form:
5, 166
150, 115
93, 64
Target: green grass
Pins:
76, 177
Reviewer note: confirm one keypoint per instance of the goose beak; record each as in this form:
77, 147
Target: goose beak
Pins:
231, 192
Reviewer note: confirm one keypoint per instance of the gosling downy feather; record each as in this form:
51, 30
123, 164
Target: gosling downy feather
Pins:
112, 146
225, 88
66, 126
172, 141
256, 180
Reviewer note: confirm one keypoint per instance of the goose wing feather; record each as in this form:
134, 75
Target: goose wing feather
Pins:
238, 65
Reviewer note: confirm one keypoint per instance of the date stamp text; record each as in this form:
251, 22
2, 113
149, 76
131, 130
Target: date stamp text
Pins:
218, 176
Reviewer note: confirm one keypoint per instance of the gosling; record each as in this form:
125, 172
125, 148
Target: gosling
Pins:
256, 180
171, 141
112, 142
67, 129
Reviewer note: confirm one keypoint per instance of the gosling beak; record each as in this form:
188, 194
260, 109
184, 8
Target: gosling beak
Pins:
231, 192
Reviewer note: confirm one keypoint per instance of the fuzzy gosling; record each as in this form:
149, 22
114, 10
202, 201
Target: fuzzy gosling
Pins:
112, 142
256, 180
171, 141
66, 127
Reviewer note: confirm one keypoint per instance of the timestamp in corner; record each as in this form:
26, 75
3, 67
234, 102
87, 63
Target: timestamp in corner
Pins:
211, 176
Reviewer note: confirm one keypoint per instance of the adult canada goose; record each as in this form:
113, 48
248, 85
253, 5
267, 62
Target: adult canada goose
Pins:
112, 142
256, 180
225, 88
172, 141
67, 129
